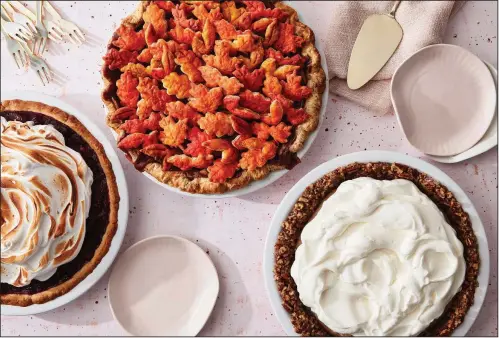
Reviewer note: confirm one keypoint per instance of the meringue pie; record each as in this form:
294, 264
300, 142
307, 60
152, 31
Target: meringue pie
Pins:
59, 203
376, 249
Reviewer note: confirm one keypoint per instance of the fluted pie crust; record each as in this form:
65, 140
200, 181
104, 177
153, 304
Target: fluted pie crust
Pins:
304, 321
315, 79
74, 124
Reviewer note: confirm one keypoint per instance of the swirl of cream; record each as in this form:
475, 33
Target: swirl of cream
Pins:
46, 189
379, 258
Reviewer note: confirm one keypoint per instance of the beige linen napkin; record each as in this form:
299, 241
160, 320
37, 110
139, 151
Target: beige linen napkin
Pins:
423, 23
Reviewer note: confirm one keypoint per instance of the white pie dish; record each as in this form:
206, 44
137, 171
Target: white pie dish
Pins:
108, 259
444, 99
488, 141
363, 157
164, 286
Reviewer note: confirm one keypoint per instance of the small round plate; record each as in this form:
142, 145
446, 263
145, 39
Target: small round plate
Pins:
444, 99
163, 286
488, 141
108, 259
373, 156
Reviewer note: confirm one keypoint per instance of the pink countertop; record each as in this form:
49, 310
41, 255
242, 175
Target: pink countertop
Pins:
233, 230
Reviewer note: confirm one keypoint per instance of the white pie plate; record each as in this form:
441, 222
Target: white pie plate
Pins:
163, 286
275, 175
363, 157
106, 262
444, 98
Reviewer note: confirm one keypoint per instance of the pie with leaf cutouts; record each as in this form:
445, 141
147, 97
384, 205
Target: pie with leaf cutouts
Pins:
208, 96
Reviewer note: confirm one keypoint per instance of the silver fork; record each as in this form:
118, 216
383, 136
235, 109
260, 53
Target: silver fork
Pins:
39, 44
14, 48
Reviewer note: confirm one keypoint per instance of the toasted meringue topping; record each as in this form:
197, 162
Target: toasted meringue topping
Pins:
45, 201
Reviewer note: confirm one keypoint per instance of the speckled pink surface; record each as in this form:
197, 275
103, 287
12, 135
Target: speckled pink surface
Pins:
233, 230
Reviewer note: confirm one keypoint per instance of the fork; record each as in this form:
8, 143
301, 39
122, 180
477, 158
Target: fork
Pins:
21, 19
15, 50
15, 30
39, 66
54, 31
39, 44
72, 31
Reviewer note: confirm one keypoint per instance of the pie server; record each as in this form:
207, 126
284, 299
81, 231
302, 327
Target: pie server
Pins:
378, 39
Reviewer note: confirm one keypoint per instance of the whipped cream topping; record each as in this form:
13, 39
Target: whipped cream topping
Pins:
379, 258
46, 189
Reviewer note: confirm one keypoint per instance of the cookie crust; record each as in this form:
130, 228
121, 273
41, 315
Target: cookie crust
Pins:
114, 198
304, 321
316, 80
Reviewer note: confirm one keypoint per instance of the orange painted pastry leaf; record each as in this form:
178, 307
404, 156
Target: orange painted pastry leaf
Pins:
180, 111
178, 85
293, 89
214, 78
275, 114
129, 39
216, 124
280, 132
180, 17
260, 130
189, 64
252, 80
296, 116
184, 162
296, 59
222, 59
254, 101
219, 172
225, 29
155, 16
195, 146
127, 90
116, 59
149, 91
174, 133
204, 100
181, 35
203, 43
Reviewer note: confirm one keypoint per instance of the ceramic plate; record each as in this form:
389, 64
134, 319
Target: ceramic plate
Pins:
163, 286
273, 176
488, 141
444, 99
106, 262
373, 156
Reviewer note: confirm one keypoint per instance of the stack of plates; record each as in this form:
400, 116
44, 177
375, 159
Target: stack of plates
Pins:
445, 99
